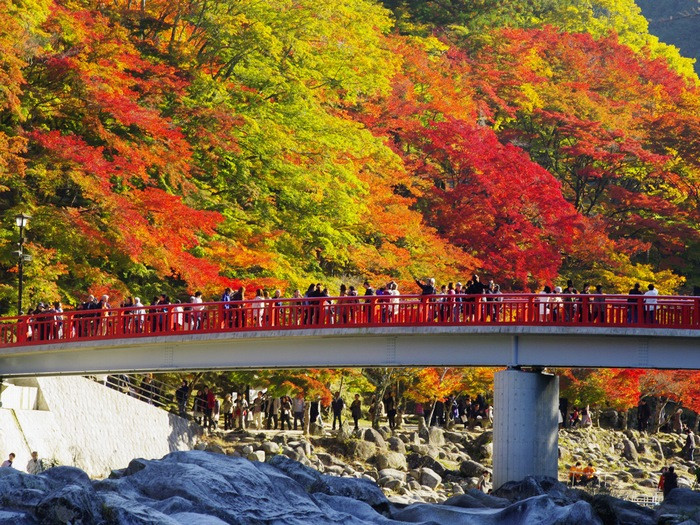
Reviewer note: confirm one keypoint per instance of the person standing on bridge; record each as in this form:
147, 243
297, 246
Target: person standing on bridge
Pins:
650, 301
337, 405
369, 308
427, 289
633, 308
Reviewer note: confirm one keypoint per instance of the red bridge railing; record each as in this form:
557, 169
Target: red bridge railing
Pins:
678, 312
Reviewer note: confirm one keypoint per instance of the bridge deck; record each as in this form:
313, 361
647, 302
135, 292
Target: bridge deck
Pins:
517, 329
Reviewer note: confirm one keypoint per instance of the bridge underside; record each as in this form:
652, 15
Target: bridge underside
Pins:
585, 347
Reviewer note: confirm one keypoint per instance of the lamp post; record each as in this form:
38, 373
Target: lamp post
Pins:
21, 221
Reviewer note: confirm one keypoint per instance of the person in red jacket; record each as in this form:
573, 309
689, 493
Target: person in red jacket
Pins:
211, 403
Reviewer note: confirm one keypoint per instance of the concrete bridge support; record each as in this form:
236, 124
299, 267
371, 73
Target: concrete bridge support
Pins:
526, 419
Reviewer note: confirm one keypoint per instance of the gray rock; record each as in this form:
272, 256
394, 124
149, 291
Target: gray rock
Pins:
270, 448
344, 432
374, 436
471, 469
9, 517
316, 429
416, 461
630, 451
453, 437
529, 487
657, 448
361, 450
216, 449
72, 503
542, 510
389, 459
247, 450
257, 455
436, 437
679, 502
389, 483
475, 499
392, 473
397, 445
430, 478
612, 510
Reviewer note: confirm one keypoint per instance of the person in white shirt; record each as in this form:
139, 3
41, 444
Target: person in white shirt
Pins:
139, 314
196, 317
178, 316
35, 465
259, 307
650, 302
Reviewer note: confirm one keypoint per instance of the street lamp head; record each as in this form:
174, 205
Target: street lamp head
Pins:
22, 220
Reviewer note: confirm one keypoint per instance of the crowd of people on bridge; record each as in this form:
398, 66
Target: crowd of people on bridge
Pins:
451, 303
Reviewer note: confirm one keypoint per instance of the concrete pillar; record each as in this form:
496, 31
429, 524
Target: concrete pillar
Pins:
526, 419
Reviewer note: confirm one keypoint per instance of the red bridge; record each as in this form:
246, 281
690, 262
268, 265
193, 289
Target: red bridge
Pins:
497, 330
525, 332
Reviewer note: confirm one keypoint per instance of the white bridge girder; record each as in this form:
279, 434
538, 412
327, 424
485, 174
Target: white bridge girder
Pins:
586, 347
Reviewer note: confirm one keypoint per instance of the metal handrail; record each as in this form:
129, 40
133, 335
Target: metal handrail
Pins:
632, 311
132, 386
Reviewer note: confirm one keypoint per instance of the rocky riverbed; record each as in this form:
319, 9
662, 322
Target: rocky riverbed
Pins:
421, 465
375, 476
205, 488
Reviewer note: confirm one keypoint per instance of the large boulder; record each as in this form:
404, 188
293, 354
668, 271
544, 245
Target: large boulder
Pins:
416, 461
629, 450
389, 459
621, 512
429, 478
361, 450
471, 469
436, 437
542, 510
374, 436
72, 503
392, 473
532, 486
476, 499
680, 502
397, 445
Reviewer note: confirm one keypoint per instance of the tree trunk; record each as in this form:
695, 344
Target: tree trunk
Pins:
379, 395
307, 418
660, 406
432, 410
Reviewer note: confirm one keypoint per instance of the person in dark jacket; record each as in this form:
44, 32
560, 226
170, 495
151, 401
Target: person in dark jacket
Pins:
181, 395
356, 410
670, 481
643, 416
390, 407
337, 405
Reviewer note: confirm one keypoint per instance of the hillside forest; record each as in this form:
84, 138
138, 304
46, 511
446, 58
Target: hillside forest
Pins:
168, 146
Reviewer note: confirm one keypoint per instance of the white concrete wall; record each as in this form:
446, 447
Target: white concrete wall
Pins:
525, 429
84, 424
